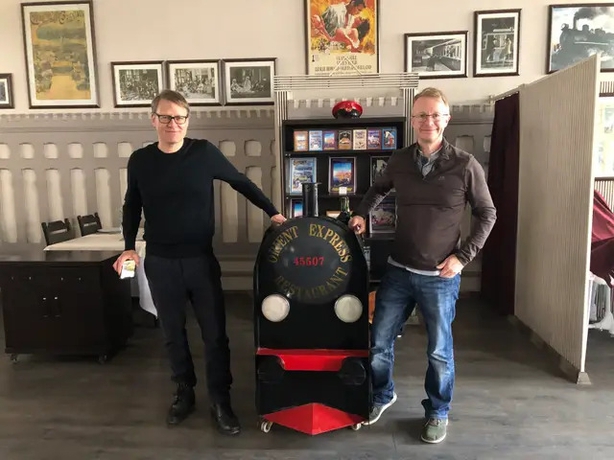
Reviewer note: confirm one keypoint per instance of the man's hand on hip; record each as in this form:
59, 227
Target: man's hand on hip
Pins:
450, 267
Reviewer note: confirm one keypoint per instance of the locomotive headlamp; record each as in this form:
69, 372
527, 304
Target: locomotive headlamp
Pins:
348, 308
275, 308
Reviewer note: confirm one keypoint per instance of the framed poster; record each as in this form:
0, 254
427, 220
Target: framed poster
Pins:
300, 170
249, 81
384, 217
6, 91
60, 54
198, 81
342, 37
576, 32
497, 40
296, 208
135, 84
378, 165
437, 54
342, 175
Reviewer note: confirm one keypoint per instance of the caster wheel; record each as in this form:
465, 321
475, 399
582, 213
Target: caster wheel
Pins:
103, 359
265, 426
14, 357
357, 426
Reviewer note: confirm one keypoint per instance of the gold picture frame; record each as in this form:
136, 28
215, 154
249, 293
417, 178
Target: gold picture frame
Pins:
60, 54
348, 46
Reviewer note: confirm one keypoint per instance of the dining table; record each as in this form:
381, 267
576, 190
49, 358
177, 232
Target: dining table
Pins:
111, 239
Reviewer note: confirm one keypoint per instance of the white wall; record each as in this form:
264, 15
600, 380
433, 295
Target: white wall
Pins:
134, 30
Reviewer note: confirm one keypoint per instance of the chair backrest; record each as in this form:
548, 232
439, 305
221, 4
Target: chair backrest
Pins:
89, 224
58, 231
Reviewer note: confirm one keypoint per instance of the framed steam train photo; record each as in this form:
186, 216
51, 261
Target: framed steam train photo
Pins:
576, 32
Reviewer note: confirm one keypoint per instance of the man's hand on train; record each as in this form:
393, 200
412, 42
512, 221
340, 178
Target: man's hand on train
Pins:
357, 224
278, 219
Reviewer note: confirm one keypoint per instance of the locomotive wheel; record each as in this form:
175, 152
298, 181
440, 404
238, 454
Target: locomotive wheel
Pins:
356, 426
265, 426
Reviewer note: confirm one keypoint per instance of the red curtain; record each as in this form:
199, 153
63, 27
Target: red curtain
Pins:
499, 253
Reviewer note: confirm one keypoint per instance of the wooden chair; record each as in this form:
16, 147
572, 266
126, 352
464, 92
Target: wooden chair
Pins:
89, 224
58, 231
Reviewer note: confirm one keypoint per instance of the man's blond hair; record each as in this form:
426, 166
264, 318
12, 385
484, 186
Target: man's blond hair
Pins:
434, 93
170, 96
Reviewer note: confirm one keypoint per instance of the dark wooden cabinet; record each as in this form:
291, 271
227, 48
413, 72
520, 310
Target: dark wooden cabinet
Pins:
64, 302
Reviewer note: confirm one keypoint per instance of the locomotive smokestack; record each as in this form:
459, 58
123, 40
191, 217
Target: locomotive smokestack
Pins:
310, 199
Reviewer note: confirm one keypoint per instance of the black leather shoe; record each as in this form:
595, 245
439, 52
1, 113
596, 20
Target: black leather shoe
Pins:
183, 404
225, 419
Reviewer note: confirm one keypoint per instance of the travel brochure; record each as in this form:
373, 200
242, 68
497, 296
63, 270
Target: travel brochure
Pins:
317, 140
342, 180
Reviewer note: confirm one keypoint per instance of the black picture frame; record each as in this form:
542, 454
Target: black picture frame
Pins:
568, 21
6, 91
439, 49
261, 73
496, 51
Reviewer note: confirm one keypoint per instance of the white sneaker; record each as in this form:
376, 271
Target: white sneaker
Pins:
377, 411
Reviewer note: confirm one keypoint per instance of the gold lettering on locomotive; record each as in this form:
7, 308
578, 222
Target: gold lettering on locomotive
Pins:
280, 242
333, 238
301, 293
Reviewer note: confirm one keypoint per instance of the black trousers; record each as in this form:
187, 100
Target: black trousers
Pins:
174, 282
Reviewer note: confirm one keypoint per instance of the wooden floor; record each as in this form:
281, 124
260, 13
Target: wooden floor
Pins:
510, 403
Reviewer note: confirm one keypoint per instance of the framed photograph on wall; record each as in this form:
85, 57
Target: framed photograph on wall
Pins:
6, 91
60, 54
342, 38
437, 54
135, 84
575, 32
497, 40
198, 81
249, 81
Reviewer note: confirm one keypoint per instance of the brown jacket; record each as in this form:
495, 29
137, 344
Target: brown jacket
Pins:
430, 209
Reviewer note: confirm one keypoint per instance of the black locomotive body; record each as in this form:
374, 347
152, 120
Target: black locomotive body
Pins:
311, 326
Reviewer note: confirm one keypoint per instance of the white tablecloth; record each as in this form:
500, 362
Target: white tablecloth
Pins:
113, 242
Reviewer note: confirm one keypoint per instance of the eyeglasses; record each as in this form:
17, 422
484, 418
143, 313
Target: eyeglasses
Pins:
422, 117
166, 119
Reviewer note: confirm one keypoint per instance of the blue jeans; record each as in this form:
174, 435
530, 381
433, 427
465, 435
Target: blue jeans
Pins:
400, 290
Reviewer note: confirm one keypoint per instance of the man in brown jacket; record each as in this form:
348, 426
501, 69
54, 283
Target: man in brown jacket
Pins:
433, 181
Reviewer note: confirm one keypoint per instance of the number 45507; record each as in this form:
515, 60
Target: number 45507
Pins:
309, 261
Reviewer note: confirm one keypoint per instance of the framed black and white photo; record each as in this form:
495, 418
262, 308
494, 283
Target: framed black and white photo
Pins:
249, 81
576, 32
6, 91
437, 54
135, 84
198, 81
497, 40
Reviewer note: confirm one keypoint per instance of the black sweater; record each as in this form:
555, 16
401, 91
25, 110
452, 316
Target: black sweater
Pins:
175, 193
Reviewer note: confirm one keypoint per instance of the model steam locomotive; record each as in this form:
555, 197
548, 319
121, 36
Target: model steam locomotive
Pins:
311, 324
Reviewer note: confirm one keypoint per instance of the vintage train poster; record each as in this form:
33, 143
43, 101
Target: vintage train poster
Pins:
342, 37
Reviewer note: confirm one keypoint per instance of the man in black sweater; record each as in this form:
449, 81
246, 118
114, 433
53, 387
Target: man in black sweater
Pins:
171, 181
434, 181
